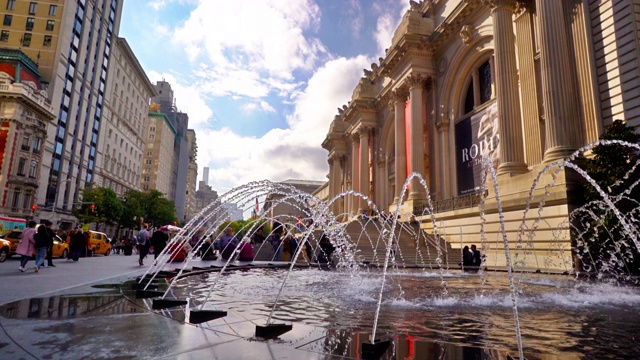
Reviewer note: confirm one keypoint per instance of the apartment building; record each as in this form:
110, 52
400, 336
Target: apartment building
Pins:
158, 155
125, 112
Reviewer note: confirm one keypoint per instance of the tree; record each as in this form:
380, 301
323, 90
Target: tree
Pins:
156, 209
99, 205
603, 243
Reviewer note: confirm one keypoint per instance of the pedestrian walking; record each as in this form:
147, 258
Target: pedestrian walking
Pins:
49, 230
27, 245
143, 243
42, 240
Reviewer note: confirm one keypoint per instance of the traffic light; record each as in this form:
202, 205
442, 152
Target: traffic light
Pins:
174, 223
34, 207
92, 207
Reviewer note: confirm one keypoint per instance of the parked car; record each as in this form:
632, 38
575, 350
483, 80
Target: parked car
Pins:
13, 237
98, 243
5, 247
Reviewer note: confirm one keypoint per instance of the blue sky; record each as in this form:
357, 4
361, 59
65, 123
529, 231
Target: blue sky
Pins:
260, 80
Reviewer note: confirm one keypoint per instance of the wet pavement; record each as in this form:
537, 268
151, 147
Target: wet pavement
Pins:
80, 310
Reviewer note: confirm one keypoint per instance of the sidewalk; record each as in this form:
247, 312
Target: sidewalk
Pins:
58, 314
16, 285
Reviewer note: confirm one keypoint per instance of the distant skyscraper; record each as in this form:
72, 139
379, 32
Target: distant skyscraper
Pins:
205, 175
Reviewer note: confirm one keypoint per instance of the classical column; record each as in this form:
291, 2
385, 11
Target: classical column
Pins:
355, 184
558, 83
442, 167
533, 130
364, 131
416, 89
507, 93
332, 180
400, 98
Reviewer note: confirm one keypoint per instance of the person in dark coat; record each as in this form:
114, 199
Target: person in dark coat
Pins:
42, 240
467, 259
77, 244
476, 257
326, 250
159, 242
52, 235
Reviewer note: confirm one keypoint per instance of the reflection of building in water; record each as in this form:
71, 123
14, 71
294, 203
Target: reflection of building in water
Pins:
535, 72
62, 307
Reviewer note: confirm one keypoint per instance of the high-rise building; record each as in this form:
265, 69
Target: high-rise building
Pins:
72, 42
25, 113
119, 161
192, 176
158, 155
36, 28
180, 122
205, 195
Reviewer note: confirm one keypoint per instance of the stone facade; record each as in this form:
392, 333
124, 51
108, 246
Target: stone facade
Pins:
24, 116
119, 160
158, 157
192, 177
525, 82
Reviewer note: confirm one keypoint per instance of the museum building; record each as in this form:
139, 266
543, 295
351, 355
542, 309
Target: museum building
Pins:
523, 83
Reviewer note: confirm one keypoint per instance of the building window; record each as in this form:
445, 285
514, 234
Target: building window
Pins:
25, 142
52, 10
50, 25
26, 202
33, 169
10, 4
152, 137
148, 162
146, 178
30, 22
152, 128
26, 40
32, 8
480, 91
4, 36
21, 164
16, 200
7, 20
36, 145
47, 41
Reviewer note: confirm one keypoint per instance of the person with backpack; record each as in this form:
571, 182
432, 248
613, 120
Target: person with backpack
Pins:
143, 243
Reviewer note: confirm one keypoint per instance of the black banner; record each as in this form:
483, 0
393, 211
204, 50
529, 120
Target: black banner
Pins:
476, 136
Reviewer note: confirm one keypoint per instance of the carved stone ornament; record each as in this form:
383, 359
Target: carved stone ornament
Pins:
466, 34
415, 5
441, 66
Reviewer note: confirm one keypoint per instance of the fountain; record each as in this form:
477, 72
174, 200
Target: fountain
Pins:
393, 289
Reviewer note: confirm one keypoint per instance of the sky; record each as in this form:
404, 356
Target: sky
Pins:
261, 80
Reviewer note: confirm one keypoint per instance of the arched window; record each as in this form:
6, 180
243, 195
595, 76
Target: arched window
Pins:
480, 88
475, 128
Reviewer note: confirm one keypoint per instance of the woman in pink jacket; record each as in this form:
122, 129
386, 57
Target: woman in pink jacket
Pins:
27, 245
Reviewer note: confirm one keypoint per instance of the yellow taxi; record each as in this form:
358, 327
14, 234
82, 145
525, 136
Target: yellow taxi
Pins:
13, 237
99, 243
5, 248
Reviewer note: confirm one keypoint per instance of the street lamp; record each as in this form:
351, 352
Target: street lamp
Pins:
55, 199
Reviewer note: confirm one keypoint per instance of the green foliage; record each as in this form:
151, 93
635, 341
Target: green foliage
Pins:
602, 240
242, 227
151, 207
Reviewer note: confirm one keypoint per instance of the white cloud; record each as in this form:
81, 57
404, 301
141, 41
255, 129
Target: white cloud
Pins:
250, 44
387, 22
283, 153
188, 99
